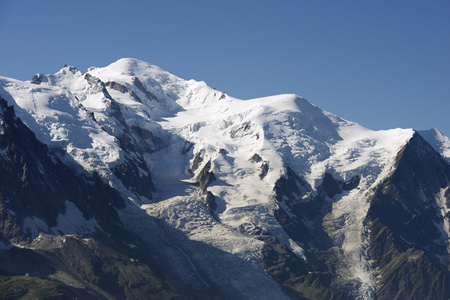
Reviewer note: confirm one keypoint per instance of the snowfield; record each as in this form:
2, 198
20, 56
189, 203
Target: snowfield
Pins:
86, 118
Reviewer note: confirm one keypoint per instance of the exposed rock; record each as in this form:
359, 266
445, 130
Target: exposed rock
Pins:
123, 89
296, 229
241, 130
151, 143
264, 169
223, 151
142, 88
292, 274
198, 159
256, 158
133, 178
117, 86
89, 268
187, 147
257, 232
406, 226
38, 78
73, 70
352, 183
210, 201
34, 188
291, 186
40, 183
331, 186
96, 84
205, 177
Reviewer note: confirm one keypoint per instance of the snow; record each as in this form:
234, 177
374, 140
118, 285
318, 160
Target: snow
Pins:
438, 141
370, 155
34, 226
53, 114
76, 115
444, 226
73, 222
287, 130
232, 262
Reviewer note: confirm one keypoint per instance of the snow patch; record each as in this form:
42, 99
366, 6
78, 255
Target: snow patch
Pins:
438, 141
293, 245
73, 222
444, 209
34, 226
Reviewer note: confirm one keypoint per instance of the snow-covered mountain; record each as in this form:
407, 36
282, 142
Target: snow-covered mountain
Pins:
268, 198
438, 141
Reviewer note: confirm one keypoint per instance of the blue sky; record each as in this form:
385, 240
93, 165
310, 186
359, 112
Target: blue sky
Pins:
383, 64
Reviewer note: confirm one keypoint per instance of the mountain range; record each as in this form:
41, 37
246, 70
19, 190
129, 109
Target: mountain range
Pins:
128, 182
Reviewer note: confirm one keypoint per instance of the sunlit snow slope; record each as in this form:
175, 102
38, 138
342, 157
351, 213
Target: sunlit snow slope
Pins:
200, 167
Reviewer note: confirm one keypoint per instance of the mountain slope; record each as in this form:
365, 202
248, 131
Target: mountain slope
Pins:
61, 226
438, 141
264, 198
409, 226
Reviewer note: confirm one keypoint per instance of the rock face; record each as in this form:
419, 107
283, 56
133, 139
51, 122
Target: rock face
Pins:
36, 184
36, 190
127, 182
408, 223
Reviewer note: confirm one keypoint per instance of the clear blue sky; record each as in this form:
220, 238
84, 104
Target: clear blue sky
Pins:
383, 64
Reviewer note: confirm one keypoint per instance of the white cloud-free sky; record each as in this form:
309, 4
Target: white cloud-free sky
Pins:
383, 64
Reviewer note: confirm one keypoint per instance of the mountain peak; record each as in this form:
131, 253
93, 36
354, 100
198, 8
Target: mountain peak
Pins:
438, 141
129, 67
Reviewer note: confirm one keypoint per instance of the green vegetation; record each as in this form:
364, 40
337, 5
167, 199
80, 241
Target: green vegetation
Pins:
411, 275
98, 268
107, 272
291, 273
28, 287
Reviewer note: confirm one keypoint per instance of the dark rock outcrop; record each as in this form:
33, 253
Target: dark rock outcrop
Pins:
408, 241
291, 187
123, 89
142, 88
203, 179
38, 78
